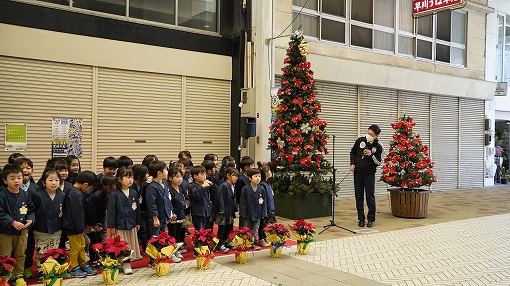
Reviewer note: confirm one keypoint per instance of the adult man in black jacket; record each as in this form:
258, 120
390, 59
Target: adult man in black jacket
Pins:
365, 158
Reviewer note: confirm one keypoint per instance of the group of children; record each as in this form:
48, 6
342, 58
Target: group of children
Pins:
72, 208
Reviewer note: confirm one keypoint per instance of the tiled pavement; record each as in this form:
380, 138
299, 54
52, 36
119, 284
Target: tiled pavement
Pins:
465, 240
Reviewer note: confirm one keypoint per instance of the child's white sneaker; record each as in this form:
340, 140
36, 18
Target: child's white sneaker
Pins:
126, 267
175, 259
179, 255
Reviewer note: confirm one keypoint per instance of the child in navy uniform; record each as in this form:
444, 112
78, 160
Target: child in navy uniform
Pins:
110, 166
16, 216
48, 214
246, 164
74, 168
210, 169
179, 205
124, 215
73, 224
253, 205
225, 208
265, 174
199, 194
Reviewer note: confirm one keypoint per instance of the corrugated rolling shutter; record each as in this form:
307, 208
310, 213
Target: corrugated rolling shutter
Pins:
471, 142
417, 105
445, 141
138, 113
33, 92
207, 119
340, 111
379, 106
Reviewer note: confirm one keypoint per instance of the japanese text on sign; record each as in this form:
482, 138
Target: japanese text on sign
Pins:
428, 6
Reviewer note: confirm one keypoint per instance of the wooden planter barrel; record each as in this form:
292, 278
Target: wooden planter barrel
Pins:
409, 204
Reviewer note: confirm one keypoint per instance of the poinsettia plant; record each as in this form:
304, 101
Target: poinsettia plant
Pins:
162, 240
301, 227
241, 238
6, 265
407, 164
277, 233
204, 237
161, 248
112, 249
54, 262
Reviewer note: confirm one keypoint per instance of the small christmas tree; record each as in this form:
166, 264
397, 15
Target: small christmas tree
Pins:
297, 137
407, 164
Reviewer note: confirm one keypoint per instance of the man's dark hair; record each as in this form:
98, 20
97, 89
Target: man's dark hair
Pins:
86, 177
110, 162
375, 128
155, 167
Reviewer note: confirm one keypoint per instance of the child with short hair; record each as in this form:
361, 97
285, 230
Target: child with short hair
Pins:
73, 224
110, 166
48, 204
16, 216
95, 214
125, 161
74, 168
246, 164
225, 208
200, 200
265, 174
187, 169
210, 169
124, 215
13, 157
252, 204
140, 176
179, 204
144, 234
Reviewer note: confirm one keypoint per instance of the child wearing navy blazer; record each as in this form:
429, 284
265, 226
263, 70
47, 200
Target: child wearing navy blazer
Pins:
48, 215
200, 200
252, 204
124, 215
225, 208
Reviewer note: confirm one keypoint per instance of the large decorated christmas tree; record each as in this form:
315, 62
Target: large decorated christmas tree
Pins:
407, 164
297, 137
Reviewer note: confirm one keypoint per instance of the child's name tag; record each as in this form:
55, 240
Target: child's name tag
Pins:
23, 210
133, 206
261, 201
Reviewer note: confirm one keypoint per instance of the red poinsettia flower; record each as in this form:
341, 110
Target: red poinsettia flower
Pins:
162, 240
306, 161
302, 227
240, 232
298, 101
7, 264
59, 254
277, 228
114, 246
203, 237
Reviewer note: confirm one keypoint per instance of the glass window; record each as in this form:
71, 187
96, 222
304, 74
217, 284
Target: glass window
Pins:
424, 49
405, 45
361, 37
384, 41
198, 14
506, 56
333, 7
458, 27
308, 24
362, 11
425, 26
458, 56
311, 4
405, 19
153, 10
333, 31
442, 53
444, 26
116, 7
501, 35
384, 13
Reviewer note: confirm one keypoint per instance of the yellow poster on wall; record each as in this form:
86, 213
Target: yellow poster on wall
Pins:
15, 137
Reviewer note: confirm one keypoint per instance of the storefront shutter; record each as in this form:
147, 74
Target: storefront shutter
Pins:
33, 92
138, 113
379, 106
471, 143
340, 111
417, 105
445, 141
207, 118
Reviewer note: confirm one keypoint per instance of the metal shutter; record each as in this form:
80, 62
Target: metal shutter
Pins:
379, 106
33, 92
340, 111
207, 118
445, 141
417, 106
471, 142
138, 113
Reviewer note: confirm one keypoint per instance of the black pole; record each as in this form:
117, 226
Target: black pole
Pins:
333, 195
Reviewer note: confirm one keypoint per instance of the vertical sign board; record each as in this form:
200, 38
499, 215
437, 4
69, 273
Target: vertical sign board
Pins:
426, 7
15, 137
66, 137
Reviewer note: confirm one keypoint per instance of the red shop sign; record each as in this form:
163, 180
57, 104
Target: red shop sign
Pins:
425, 7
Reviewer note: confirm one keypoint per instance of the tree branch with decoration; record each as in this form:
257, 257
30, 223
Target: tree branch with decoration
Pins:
407, 164
297, 137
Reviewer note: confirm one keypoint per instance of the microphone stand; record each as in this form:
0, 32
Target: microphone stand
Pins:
333, 195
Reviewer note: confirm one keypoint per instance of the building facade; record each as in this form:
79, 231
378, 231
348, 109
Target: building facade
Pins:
373, 62
145, 77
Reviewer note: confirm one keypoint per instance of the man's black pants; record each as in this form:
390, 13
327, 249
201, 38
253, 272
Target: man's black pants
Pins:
365, 183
